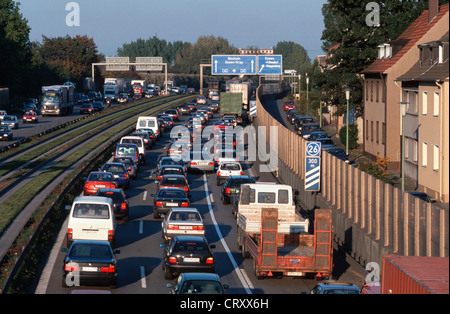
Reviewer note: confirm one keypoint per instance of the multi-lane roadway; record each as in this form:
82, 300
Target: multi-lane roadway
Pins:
138, 240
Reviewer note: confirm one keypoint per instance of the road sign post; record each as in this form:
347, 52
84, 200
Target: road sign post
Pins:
312, 166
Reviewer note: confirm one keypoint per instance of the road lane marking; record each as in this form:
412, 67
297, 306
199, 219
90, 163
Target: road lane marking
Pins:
144, 198
141, 227
224, 244
143, 283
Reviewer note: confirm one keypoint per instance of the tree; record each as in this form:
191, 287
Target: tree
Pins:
15, 46
70, 57
295, 57
355, 44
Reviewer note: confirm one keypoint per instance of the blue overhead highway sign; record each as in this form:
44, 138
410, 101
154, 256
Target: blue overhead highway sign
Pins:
270, 64
233, 65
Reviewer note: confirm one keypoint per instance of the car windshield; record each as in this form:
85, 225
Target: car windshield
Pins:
171, 194
185, 216
90, 251
201, 287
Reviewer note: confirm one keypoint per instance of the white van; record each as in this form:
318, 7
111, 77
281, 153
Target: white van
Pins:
149, 123
91, 218
139, 142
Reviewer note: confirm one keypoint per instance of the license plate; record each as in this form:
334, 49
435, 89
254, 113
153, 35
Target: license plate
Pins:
91, 269
191, 260
185, 227
299, 274
171, 204
100, 186
90, 230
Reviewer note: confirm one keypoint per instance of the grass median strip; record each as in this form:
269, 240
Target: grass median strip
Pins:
19, 200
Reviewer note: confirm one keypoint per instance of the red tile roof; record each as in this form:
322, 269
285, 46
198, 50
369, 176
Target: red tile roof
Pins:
411, 36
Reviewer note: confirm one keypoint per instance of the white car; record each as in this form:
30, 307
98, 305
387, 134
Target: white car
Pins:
182, 221
227, 169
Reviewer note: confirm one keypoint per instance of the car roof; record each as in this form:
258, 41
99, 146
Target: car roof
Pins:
184, 209
173, 176
96, 242
192, 238
200, 276
341, 285
92, 199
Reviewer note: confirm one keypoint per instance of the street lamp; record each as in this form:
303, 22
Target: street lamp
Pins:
307, 93
347, 96
403, 109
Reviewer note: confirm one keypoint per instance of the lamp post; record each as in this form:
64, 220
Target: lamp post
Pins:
307, 93
403, 108
347, 96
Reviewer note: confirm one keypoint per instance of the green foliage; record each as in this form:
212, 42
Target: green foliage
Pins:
354, 44
376, 169
352, 136
295, 57
15, 47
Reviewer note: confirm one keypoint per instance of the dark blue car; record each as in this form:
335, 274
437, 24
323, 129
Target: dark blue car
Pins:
119, 172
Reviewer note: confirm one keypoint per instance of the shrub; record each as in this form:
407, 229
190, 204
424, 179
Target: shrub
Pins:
352, 136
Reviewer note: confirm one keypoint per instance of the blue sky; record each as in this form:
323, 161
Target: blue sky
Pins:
243, 23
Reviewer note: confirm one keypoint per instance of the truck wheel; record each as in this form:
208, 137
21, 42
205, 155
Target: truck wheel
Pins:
245, 254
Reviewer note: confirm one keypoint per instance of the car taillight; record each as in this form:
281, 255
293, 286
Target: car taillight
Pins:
68, 267
110, 234
159, 177
172, 260
198, 227
126, 176
172, 227
158, 204
186, 189
242, 173
184, 204
123, 206
210, 260
227, 190
69, 233
211, 164
218, 173
193, 163
110, 269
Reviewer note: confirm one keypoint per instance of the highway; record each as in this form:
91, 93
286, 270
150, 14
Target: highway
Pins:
139, 261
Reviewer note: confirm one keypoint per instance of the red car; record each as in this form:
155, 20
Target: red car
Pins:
289, 104
99, 180
174, 181
30, 116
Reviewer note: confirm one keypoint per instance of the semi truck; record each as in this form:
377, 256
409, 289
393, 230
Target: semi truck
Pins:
231, 105
243, 88
57, 100
270, 231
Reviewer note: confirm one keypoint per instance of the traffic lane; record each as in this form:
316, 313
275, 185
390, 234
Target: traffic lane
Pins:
285, 285
26, 130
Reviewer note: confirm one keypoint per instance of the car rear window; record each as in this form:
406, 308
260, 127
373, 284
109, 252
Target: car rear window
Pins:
266, 197
199, 247
235, 183
126, 151
132, 141
92, 211
230, 167
115, 196
173, 181
103, 177
185, 216
171, 194
114, 168
90, 251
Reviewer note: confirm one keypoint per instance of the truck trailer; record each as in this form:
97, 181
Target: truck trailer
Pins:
57, 100
277, 237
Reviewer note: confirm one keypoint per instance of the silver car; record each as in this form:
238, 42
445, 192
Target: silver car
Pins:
182, 221
198, 162
11, 120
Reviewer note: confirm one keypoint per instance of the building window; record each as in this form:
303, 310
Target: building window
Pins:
436, 103
371, 131
436, 158
383, 133
378, 91
412, 99
367, 129
415, 153
424, 154
424, 103
377, 130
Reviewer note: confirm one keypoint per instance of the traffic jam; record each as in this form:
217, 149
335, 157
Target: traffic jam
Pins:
94, 216
166, 147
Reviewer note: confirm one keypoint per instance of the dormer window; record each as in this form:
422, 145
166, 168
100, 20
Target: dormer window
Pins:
384, 51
